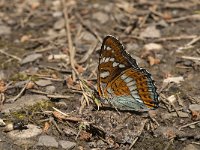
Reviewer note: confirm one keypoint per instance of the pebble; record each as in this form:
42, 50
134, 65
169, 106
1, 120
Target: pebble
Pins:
4, 30
2, 75
31, 131
67, 144
190, 147
101, 17
153, 46
2, 123
92, 144
100, 143
28, 100
50, 89
167, 132
174, 114
43, 82
59, 24
183, 114
57, 14
61, 104
31, 58
86, 36
150, 32
195, 109
192, 126
47, 141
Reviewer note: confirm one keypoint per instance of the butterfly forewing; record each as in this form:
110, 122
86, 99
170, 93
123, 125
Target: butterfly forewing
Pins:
111, 62
121, 81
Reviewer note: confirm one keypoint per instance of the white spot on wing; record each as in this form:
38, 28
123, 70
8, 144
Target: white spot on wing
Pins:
123, 77
112, 59
131, 83
104, 74
133, 87
108, 48
104, 47
121, 66
127, 80
107, 59
136, 96
115, 64
101, 60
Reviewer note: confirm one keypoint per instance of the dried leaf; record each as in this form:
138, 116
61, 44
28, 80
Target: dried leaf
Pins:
2, 86
70, 81
79, 68
46, 127
25, 38
59, 115
153, 61
85, 136
30, 85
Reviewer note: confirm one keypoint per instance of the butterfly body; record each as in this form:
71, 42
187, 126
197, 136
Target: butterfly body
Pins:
121, 81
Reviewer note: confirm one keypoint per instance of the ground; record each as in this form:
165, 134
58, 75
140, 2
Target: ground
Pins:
49, 48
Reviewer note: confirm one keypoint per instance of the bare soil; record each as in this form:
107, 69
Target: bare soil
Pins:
41, 27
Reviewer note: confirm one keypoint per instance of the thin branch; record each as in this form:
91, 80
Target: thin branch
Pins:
10, 55
69, 38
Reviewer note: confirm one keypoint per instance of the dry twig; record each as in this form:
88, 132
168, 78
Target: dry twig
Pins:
175, 38
188, 124
10, 55
20, 93
69, 38
88, 53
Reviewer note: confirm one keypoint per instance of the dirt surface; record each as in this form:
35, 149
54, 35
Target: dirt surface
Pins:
47, 46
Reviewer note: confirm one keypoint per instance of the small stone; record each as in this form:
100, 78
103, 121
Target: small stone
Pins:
50, 89
47, 141
26, 100
195, 109
150, 32
43, 82
162, 23
101, 17
92, 144
2, 75
183, 114
100, 143
2, 123
190, 147
192, 126
61, 104
86, 36
4, 30
31, 58
167, 132
166, 116
8, 127
57, 14
31, 131
59, 24
67, 144
173, 79
153, 47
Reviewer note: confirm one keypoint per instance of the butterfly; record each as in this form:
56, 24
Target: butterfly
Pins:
121, 81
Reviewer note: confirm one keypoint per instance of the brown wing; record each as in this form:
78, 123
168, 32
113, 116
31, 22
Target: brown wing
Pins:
111, 62
119, 75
